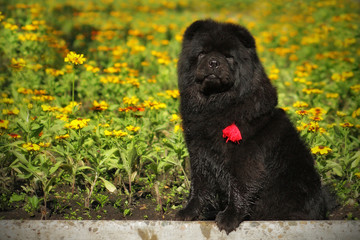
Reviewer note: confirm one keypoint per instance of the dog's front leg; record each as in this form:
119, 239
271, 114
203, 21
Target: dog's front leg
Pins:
202, 193
234, 213
196, 203
240, 198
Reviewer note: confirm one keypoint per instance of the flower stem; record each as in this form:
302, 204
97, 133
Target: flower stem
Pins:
73, 89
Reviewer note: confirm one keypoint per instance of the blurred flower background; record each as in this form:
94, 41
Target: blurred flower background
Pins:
89, 118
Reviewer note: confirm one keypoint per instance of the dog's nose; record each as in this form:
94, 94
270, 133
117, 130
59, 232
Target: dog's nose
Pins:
214, 63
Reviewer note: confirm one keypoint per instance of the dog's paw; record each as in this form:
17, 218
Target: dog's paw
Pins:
228, 220
186, 215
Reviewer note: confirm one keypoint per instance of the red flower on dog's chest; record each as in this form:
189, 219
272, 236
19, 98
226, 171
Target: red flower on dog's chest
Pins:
232, 133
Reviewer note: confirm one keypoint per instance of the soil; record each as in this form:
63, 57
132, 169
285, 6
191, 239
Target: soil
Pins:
143, 206
143, 209
68, 206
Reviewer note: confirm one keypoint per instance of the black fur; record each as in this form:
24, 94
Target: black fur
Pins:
270, 174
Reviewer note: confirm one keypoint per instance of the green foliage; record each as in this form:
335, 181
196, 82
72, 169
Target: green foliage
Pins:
109, 120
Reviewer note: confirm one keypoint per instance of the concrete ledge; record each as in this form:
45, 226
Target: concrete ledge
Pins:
158, 230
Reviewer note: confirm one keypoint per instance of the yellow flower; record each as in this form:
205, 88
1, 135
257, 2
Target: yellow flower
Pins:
62, 136
302, 112
317, 111
273, 76
347, 124
173, 93
341, 77
274, 73
154, 104
10, 26
18, 64
285, 108
331, 125
145, 63
132, 81
178, 128
312, 91
48, 108
153, 80
355, 88
54, 72
332, 95
75, 58
174, 117
357, 174
132, 128
62, 117
104, 125
77, 123
99, 106
14, 135
323, 150
30, 27
90, 68
7, 100
293, 57
313, 127
116, 133
337, 77
316, 118
25, 91
130, 100
300, 80
356, 113
31, 146
302, 127
42, 144
119, 133
28, 37
108, 133
300, 104
69, 108
4, 123
43, 98
341, 114
14, 111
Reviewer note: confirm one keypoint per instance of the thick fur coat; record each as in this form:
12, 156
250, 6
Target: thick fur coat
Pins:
269, 174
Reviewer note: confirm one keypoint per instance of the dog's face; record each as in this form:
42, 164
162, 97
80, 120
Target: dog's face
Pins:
216, 58
214, 72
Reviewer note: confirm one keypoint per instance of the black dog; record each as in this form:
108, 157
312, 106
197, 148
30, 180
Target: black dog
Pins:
247, 160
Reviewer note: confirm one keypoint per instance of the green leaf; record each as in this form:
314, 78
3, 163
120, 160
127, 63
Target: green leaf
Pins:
54, 168
20, 157
37, 130
338, 171
109, 186
108, 153
133, 176
336, 168
17, 198
356, 162
69, 145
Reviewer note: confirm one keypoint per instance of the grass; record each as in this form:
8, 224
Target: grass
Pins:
105, 122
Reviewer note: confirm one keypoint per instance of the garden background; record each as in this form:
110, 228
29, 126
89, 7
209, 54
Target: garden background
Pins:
89, 119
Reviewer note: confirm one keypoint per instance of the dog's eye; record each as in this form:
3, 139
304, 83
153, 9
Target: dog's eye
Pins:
230, 60
201, 55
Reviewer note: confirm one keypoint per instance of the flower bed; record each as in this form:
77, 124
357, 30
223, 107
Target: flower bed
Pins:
89, 120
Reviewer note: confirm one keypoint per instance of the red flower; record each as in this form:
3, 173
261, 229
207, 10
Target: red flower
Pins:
232, 133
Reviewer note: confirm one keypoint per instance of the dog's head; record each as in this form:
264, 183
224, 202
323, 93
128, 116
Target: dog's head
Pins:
218, 64
216, 56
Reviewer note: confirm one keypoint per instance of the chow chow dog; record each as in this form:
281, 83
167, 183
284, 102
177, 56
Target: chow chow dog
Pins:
247, 159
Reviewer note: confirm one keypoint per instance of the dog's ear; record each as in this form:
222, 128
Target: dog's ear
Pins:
196, 27
243, 35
